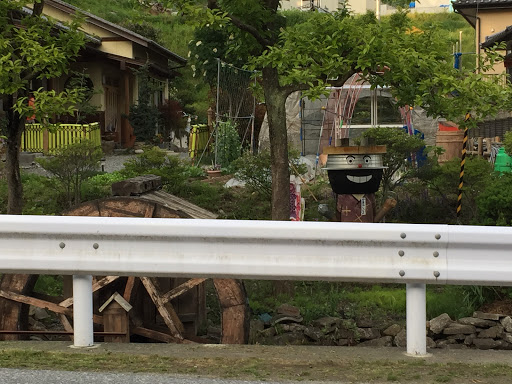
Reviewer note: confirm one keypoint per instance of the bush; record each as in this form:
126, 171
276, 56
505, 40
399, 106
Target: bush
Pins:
495, 202
72, 165
255, 170
100, 186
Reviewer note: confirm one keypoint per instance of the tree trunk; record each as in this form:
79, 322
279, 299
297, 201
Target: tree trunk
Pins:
15, 127
275, 100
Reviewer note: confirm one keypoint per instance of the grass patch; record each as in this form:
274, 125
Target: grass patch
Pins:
272, 364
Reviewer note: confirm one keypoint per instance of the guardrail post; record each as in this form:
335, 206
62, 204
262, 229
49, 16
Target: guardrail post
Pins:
416, 302
82, 311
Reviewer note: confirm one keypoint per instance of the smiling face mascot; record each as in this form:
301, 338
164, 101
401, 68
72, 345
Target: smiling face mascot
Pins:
355, 173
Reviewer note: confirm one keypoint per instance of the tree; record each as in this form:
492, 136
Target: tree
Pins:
32, 47
399, 146
308, 53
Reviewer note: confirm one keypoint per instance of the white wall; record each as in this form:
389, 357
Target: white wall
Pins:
361, 6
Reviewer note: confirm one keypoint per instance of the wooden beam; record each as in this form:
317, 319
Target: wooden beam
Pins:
165, 309
35, 302
66, 324
181, 289
95, 287
127, 295
155, 335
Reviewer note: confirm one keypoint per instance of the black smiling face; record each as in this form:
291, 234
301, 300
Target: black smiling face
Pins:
351, 181
355, 173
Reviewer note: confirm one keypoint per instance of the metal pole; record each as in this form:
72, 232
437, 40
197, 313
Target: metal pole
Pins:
416, 303
377, 9
217, 111
82, 311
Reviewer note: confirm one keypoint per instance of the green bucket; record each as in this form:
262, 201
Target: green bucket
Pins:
503, 161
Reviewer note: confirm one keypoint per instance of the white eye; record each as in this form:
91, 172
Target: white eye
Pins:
351, 159
367, 159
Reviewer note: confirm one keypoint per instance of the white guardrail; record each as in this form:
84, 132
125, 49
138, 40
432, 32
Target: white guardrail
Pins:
387, 253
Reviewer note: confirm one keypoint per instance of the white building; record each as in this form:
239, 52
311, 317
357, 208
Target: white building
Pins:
362, 6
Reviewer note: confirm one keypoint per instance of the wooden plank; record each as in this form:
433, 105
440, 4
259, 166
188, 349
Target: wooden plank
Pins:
35, 302
155, 335
95, 287
180, 289
130, 282
165, 309
66, 324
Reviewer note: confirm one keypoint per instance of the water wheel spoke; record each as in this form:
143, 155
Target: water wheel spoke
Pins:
130, 283
95, 287
35, 302
166, 310
66, 324
181, 289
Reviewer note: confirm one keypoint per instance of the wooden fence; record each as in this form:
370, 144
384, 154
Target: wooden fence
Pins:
198, 140
37, 138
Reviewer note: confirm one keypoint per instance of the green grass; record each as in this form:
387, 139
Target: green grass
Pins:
268, 365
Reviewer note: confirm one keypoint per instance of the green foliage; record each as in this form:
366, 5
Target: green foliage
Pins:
72, 165
228, 145
144, 115
495, 201
507, 141
42, 195
49, 285
152, 158
255, 170
432, 197
81, 82
397, 3
100, 186
399, 146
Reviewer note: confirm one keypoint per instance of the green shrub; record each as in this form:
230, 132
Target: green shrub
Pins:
42, 195
72, 165
255, 170
495, 202
152, 158
100, 186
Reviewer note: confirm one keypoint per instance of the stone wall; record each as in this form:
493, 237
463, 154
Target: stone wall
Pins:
481, 331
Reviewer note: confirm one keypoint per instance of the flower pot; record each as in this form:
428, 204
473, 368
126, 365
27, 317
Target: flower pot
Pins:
213, 173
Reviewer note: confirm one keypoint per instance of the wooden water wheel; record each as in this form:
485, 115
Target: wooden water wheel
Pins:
163, 309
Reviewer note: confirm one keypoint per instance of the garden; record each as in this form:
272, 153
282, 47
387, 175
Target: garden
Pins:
424, 195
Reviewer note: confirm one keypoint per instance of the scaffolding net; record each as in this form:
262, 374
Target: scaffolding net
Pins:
235, 101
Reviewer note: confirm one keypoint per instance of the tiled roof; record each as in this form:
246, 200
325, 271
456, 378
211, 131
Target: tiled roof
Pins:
497, 37
481, 2
134, 35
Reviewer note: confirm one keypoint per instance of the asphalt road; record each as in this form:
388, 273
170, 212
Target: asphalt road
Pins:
19, 376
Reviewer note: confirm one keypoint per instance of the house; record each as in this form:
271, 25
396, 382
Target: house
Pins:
492, 22
363, 6
109, 58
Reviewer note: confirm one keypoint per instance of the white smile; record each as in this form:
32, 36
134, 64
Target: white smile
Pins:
359, 179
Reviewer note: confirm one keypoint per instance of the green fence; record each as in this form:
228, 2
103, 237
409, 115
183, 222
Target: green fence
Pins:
36, 138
